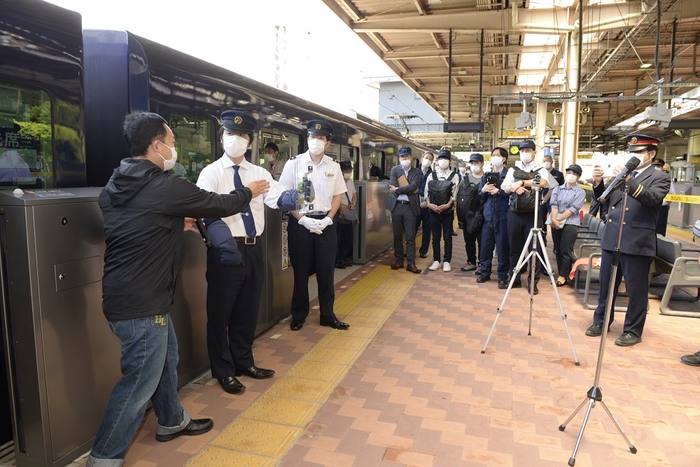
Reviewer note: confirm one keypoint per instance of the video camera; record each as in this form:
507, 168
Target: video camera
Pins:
494, 178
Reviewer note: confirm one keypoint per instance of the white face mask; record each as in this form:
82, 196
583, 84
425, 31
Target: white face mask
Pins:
496, 161
168, 164
547, 165
476, 169
463, 170
316, 146
347, 176
571, 178
426, 163
405, 163
444, 163
235, 146
526, 157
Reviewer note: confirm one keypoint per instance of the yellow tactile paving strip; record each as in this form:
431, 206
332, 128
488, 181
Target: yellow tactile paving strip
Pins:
266, 430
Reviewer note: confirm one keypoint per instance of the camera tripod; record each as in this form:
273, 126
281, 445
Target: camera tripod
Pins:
534, 239
595, 394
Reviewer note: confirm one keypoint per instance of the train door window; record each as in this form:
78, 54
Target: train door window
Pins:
288, 145
195, 142
26, 155
333, 151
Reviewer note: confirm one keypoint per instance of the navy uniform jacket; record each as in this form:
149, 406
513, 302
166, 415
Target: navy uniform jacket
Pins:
646, 194
413, 178
501, 206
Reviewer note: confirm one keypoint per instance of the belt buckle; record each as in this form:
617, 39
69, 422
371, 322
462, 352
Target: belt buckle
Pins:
249, 241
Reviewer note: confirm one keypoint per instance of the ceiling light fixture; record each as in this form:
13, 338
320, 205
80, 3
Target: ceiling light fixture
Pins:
644, 66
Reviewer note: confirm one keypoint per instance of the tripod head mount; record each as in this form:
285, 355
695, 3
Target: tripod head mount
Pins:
536, 182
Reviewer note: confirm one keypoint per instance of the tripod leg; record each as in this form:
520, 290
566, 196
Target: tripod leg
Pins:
562, 427
633, 450
591, 404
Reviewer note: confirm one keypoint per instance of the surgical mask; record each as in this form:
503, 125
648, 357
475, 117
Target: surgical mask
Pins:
525, 157
168, 164
426, 163
571, 178
547, 165
316, 146
405, 163
496, 161
347, 176
443, 163
235, 146
463, 170
476, 169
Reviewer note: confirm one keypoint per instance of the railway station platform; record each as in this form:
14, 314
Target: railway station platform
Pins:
407, 384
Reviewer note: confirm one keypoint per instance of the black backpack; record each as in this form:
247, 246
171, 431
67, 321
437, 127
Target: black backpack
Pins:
526, 201
440, 191
468, 200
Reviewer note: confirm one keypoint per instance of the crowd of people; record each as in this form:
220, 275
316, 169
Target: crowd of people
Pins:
146, 209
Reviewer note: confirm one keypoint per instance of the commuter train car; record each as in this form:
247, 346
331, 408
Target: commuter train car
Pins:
63, 95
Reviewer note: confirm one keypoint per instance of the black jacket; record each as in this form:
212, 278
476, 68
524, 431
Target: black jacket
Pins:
144, 210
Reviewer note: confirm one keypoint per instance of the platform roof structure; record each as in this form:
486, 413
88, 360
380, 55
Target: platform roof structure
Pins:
472, 60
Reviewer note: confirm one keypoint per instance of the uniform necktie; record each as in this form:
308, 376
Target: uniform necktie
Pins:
246, 213
634, 174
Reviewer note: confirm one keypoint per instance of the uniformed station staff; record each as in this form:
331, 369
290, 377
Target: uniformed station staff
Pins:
646, 189
313, 239
233, 292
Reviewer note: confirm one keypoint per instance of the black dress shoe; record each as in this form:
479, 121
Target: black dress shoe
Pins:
337, 324
194, 428
502, 283
255, 372
423, 255
517, 284
482, 279
340, 265
231, 385
594, 330
296, 324
627, 339
535, 290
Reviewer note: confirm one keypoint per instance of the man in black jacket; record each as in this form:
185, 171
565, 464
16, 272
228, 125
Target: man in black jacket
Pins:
144, 210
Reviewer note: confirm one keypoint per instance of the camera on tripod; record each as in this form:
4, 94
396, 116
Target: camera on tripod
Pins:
536, 181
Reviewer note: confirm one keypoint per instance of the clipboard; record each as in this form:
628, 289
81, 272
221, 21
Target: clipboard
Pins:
402, 180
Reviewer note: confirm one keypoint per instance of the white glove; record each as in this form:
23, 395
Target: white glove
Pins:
312, 225
325, 222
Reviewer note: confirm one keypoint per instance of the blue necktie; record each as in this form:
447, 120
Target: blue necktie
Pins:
634, 174
246, 213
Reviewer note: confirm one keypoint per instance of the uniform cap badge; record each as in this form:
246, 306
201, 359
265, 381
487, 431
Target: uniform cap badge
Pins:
238, 120
318, 126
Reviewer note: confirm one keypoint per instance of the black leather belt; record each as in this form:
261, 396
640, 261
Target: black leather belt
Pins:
400, 201
317, 216
247, 240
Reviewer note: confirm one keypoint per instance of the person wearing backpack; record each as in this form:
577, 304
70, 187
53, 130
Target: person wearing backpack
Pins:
470, 211
521, 217
424, 217
440, 195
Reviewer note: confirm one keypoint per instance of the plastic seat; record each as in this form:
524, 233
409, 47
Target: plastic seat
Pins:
685, 273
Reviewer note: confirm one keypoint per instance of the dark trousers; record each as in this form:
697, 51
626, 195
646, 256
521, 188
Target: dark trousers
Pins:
564, 239
442, 224
311, 253
472, 243
404, 223
544, 210
424, 220
495, 234
233, 301
662, 220
635, 270
345, 239
519, 226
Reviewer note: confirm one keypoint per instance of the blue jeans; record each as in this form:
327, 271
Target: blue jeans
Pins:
149, 369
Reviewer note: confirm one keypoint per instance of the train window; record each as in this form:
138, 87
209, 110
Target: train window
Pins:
26, 157
288, 144
196, 144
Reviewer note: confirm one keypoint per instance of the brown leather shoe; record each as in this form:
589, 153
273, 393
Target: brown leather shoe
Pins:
412, 268
397, 265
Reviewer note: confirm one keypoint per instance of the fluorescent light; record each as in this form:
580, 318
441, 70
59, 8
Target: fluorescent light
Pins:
644, 66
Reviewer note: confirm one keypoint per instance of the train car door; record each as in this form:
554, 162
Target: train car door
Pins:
196, 142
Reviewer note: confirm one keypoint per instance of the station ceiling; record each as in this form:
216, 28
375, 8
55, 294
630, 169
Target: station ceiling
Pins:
507, 52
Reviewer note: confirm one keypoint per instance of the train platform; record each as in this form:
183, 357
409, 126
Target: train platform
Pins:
407, 384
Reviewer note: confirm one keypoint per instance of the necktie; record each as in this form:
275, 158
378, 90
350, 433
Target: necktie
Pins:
634, 174
246, 213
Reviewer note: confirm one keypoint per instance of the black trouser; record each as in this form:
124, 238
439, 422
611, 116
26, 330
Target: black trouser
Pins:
519, 226
424, 220
233, 301
442, 224
564, 240
312, 253
404, 223
345, 239
472, 243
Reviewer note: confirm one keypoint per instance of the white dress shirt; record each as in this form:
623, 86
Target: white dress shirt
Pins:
326, 178
218, 178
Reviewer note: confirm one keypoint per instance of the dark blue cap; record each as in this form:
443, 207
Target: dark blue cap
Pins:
575, 168
476, 157
639, 142
405, 151
238, 122
444, 154
528, 144
319, 128
345, 165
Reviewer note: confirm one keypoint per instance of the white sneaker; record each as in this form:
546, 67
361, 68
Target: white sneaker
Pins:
446, 267
434, 266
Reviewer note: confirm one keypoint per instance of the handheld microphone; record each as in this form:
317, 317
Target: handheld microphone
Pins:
620, 179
